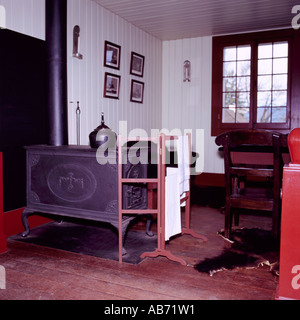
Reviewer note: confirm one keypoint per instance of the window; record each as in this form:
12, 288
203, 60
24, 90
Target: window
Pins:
251, 81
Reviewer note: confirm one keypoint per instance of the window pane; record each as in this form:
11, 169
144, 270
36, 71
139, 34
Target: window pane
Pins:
280, 82
279, 98
228, 116
242, 115
280, 65
263, 115
280, 49
244, 52
264, 83
265, 66
243, 99
265, 50
229, 84
243, 68
229, 69
264, 99
229, 100
243, 84
229, 54
279, 115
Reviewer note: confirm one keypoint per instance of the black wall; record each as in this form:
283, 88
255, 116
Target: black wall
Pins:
23, 109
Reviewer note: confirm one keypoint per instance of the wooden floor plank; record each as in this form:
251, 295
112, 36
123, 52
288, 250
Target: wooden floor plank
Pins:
39, 273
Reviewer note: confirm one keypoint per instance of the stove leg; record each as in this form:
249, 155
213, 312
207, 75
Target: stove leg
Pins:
125, 225
24, 218
124, 231
148, 225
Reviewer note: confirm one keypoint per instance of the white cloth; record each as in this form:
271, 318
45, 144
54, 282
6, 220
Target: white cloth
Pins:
172, 204
177, 183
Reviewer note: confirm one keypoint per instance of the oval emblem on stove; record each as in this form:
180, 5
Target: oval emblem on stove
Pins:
71, 182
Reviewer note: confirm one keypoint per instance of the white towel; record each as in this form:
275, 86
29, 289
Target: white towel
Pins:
172, 204
177, 183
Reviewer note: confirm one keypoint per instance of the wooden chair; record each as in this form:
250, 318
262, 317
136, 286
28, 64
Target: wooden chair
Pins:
252, 185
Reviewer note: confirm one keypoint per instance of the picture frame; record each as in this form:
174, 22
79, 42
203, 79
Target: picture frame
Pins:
111, 85
137, 91
137, 64
112, 55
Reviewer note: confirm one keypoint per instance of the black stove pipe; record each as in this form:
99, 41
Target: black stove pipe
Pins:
56, 43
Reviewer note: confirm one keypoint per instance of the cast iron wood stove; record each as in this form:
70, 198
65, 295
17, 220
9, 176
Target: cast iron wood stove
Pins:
69, 181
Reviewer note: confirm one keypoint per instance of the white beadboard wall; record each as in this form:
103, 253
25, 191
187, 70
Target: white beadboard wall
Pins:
25, 16
2, 17
86, 77
187, 105
168, 103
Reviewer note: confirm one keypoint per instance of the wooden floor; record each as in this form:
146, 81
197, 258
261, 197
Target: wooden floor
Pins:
39, 273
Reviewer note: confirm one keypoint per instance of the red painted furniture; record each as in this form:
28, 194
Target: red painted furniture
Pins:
289, 272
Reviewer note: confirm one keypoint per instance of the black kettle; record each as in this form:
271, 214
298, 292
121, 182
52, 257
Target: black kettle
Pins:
103, 135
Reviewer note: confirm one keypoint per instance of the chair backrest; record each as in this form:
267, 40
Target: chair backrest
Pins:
250, 141
253, 141
247, 138
267, 142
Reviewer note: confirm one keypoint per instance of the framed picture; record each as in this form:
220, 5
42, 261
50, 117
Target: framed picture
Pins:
112, 55
137, 64
112, 85
137, 91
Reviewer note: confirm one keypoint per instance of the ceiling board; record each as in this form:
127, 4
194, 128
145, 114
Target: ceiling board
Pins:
177, 19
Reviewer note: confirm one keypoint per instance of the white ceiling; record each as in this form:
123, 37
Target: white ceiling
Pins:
178, 19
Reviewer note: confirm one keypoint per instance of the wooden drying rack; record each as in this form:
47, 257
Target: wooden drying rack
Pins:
160, 211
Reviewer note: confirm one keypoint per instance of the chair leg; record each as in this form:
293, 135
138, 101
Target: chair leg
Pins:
236, 218
276, 222
228, 222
